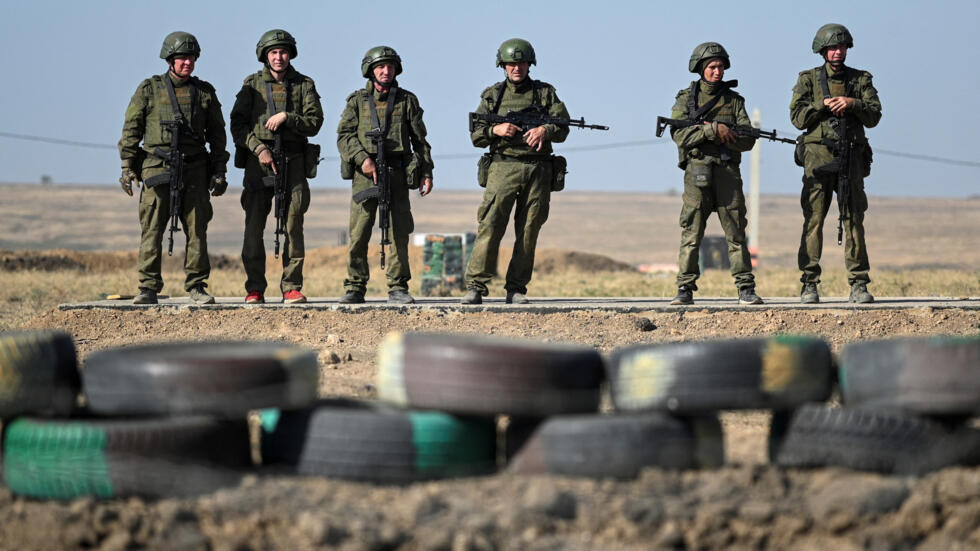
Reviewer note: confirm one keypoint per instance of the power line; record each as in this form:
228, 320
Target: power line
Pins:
452, 156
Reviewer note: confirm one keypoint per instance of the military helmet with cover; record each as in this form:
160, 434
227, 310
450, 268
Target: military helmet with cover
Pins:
377, 55
180, 43
705, 51
514, 50
832, 34
272, 39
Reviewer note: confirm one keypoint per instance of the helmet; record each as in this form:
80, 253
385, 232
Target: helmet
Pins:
179, 43
273, 38
705, 51
515, 49
832, 34
378, 54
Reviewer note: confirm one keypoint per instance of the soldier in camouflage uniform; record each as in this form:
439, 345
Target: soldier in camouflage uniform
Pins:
204, 171
824, 96
409, 159
297, 117
519, 177
710, 155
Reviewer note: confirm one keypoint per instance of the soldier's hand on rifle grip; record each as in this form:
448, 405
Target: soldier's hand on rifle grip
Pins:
126, 180
369, 170
426, 186
535, 137
265, 157
275, 121
838, 104
506, 130
218, 185
725, 134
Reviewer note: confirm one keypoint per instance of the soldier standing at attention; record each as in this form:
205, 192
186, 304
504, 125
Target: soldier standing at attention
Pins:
382, 104
295, 113
520, 174
160, 100
827, 100
710, 155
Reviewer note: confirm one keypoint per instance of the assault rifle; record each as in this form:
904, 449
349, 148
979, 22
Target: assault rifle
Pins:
175, 160
278, 182
664, 122
382, 191
531, 117
842, 150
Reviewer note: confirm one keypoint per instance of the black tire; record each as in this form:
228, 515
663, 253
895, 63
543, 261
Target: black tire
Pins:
931, 375
483, 376
172, 457
226, 379
818, 435
620, 446
360, 442
693, 377
38, 373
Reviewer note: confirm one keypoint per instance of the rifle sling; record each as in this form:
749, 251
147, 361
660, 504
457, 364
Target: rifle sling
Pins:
184, 123
696, 113
535, 96
389, 107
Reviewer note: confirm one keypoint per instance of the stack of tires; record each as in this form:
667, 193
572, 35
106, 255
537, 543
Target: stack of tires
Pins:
907, 408
158, 420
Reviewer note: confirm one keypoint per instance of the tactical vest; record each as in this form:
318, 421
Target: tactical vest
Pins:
398, 140
516, 145
720, 108
291, 104
189, 100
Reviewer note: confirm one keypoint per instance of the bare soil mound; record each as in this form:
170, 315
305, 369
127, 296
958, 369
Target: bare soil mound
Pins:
551, 260
94, 261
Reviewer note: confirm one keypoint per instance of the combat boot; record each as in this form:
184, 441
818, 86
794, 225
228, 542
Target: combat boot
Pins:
200, 296
472, 296
860, 294
747, 295
514, 297
146, 296
398, 296
809, 295
352, 297
685, 295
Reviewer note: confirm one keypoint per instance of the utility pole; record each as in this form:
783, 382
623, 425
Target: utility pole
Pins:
754, 179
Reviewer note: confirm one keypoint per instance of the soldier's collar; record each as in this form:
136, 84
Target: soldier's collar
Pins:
831, 72
269, 77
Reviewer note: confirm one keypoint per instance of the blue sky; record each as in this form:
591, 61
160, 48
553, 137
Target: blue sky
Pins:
72, 68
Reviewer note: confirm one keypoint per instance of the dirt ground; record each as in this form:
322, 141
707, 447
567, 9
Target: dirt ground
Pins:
748, 504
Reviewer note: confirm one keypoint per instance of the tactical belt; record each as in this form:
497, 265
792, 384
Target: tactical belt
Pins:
497, 157
290, 148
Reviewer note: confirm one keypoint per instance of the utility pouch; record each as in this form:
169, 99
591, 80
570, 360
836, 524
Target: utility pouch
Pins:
867, 156
800, 150
153, 181
700, 171
346, 170
559, 166
413, 172
241, 156
483, 169
138, 163
311, 158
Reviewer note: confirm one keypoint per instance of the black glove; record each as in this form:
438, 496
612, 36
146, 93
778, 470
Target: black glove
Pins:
218, 185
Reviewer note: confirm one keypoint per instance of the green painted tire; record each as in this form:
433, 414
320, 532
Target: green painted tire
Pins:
114, 458
620, 446
470, 375
355, 441
225, 378
926, 375
779, 372
38, 373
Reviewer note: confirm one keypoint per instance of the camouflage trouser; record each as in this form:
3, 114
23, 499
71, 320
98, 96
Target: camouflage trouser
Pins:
154, 213
818, 192
258, 203
362, 220
510, 184
724, 196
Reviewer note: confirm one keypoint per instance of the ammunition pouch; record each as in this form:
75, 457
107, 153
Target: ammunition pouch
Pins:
799, 152
483, 168
413, 173
311, 158
241, 156
700, 172
347, 169
559, 167
867, 157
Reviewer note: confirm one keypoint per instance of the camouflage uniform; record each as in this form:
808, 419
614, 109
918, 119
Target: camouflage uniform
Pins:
700, 149
519, 179
405, 139
808, 113
148, 108
304, 117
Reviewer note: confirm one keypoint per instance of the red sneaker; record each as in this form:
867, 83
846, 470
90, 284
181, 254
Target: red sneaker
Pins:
293, 297
254, 297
